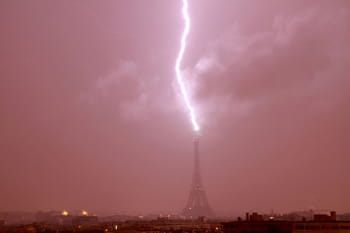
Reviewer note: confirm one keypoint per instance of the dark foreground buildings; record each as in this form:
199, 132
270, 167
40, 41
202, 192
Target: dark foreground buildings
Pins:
321, 223
160, 225
254, 223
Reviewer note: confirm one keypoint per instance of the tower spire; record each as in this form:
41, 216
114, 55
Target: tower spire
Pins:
197, 179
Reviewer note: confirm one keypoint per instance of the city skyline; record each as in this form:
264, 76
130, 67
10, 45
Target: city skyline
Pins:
91, 116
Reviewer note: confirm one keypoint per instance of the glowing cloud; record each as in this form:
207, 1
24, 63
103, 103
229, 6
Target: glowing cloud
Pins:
178, 63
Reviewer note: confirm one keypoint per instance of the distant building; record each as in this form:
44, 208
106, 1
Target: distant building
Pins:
254, 217
54, 217
286, 227
344, 217
85, 220
65, 220
17, 217
255, 224
47, 217
325, 217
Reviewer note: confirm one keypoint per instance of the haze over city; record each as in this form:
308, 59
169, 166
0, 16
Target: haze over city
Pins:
92, 118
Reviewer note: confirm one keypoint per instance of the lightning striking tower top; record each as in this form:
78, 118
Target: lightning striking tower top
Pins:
197, 204
178, 64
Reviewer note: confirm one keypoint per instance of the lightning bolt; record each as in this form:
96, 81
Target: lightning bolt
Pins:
178, 64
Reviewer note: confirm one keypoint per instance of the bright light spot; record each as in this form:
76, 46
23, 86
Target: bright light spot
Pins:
178, 64
84, 213
116, 227
64, 213
217, 228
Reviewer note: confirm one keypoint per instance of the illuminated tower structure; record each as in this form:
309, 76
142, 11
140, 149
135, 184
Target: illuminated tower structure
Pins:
197, 204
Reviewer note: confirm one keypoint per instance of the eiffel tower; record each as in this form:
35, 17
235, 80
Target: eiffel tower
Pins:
197, 204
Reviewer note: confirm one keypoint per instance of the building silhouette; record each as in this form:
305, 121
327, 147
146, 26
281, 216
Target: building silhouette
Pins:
197, 204
254, 223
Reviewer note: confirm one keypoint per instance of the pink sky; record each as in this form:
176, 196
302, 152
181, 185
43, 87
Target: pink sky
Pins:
91, 116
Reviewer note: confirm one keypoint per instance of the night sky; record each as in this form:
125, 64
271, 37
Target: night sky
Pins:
91, 116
